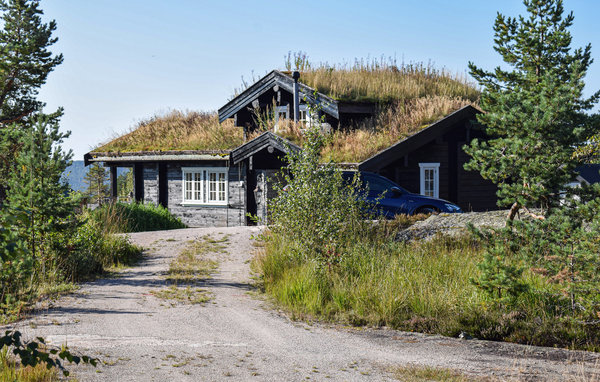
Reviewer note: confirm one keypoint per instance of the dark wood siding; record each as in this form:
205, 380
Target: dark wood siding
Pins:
465, 188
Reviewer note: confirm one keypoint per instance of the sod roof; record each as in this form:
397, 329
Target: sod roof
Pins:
410, 98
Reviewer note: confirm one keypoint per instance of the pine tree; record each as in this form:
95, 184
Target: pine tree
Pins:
535, 114
38, 188
25, 63
96, 179
25, 60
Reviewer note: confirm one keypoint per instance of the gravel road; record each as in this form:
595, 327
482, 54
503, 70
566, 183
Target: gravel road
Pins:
238, 336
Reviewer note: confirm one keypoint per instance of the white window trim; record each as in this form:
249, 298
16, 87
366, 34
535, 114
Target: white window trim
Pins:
205, 176
308, 120
281, 109
436, 177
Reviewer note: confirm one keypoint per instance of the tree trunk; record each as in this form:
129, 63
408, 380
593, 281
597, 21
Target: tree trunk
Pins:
513, 211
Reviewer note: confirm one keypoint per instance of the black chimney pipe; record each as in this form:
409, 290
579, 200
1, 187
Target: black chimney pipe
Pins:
296, 76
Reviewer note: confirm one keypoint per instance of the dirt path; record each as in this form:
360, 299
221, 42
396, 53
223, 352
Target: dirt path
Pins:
237, 336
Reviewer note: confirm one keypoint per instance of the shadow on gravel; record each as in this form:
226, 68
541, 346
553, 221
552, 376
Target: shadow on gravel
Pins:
227, 284
141, 279
73, 310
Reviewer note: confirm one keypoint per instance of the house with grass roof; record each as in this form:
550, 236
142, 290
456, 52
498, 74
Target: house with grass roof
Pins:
406, 123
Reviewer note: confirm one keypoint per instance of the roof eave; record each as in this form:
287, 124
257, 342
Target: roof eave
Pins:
184, 155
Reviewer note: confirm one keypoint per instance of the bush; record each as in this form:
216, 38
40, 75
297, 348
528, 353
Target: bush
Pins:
90, 249
316, 210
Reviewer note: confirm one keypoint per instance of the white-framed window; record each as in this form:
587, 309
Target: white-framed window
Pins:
204, 185
304, 115
281, 112
430, 179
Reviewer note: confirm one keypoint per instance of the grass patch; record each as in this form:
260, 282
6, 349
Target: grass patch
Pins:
384, 80
134, 217
178, 130
432, 374
191, 267
187, 295
11, 370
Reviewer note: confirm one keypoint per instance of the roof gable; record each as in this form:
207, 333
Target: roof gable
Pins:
277, 78
266, 140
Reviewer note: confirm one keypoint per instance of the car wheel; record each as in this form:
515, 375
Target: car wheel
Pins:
426, 210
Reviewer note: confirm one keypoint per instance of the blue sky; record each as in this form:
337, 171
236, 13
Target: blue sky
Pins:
127, 60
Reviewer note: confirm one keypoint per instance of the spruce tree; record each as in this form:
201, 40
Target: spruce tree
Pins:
95, 179
534, 112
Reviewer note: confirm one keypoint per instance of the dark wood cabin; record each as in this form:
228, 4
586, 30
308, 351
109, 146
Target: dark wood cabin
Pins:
431, 162
199, 187
204, 188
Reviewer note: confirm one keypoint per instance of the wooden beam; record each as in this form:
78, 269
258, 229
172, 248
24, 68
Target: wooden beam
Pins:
113, 182
138, 182
163, 185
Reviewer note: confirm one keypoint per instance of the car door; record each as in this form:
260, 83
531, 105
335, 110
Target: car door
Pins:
380, 194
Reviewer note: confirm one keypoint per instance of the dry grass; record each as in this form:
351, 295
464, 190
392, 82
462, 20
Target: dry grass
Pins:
190, 268
11, 370
178, 130
188, 295
191, 265
390, 125
383, 81
433, 374
409, 98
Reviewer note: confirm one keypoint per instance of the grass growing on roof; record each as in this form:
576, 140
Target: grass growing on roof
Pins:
408, 97
383, 80
178, 130
391, 124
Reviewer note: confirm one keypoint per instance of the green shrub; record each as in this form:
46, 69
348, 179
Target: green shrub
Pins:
89, 249
316, 210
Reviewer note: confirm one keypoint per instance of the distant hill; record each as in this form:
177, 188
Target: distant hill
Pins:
75, 173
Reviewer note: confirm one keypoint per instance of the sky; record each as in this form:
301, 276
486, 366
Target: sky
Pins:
125, 61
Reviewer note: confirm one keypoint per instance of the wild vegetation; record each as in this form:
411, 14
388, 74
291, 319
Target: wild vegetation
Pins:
134, 217
381, 80
535, 281
178, 130
392, 123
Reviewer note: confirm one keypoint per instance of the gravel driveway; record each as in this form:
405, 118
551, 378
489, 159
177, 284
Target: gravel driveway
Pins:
239, 336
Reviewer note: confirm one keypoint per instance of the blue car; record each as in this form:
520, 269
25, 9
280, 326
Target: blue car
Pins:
390, 199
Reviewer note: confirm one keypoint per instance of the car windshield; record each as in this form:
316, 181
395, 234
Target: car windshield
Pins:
376, 184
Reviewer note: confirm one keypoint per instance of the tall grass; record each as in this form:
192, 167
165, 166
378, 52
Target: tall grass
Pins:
422, 286
11, 371
178, 130
389, 125
384, 80
134, 217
